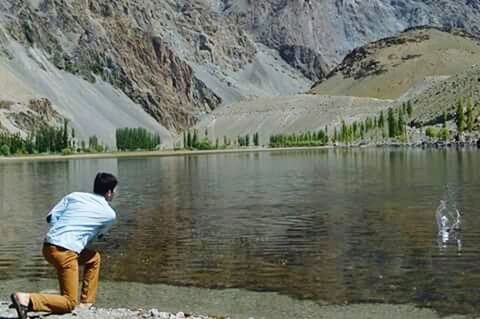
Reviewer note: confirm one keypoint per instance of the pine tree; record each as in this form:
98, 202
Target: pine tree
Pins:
409, 109
401, 123
469, 115
460, 116
381, 120
195, 139
255, 139
391, 123
189, 139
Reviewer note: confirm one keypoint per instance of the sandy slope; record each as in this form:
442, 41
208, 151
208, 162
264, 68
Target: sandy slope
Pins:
292, 114
402, 62
93, 108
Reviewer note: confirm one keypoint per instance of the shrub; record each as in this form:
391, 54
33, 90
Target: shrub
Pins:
4, 150
67, 151
443, 134
431, 132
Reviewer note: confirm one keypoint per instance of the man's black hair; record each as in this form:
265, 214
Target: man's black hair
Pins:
104, 182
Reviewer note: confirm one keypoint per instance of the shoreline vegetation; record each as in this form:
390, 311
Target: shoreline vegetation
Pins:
394, 128
184, 152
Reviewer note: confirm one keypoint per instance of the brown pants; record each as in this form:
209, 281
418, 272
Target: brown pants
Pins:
67, 263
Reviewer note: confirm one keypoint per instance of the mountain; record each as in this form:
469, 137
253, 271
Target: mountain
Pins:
427, 66
315, 35
389, 67
167, 64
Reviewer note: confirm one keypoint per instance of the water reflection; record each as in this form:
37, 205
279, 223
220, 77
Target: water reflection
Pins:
332, 226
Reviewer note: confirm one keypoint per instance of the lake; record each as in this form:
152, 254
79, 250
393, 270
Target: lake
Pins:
332, 226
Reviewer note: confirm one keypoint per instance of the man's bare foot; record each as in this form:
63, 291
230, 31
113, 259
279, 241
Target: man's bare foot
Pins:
23, 298
84, 306
20, 302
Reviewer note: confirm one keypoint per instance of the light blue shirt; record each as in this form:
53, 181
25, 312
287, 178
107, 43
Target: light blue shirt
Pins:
78, 219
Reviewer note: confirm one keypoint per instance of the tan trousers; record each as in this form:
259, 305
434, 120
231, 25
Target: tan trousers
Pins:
67, 264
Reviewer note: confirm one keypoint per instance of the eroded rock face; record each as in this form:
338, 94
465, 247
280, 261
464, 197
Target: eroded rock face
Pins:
141, 47
176, 58
27, 117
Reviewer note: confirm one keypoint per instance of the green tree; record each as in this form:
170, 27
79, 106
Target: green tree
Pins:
256, 141
195, 139
4, 150
392, 125
443, 134
444, 119
469, 115
409, 109
65, 139
381, 120
460, 116
189, 139
401, 123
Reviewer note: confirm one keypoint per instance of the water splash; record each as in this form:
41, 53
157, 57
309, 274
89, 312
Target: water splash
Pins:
448, 218
449, 221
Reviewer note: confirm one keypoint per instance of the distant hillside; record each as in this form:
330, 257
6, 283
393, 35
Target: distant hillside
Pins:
292, 114
443, 96
390, 67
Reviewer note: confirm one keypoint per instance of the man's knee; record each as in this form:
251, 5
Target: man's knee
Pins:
70, 305
97, 259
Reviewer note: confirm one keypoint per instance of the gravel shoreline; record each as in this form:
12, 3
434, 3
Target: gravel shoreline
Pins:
99, 313
118, 300
363, 311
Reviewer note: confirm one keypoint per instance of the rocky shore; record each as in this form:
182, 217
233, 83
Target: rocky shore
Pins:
95, 313
370, 311
118, 300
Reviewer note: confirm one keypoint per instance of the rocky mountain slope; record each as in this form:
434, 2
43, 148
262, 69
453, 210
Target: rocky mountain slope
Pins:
315, 35
389, 67
174, 61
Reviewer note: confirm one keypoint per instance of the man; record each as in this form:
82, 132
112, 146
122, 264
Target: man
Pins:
74, 222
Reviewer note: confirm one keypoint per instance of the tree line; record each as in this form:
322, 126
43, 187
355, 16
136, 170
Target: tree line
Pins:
393, 125
193, 141
319, 138
48, 139
464, 119
130, 139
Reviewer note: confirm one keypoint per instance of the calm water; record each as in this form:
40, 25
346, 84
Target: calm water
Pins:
333, 226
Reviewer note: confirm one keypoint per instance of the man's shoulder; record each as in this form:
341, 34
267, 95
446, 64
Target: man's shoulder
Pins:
79, 194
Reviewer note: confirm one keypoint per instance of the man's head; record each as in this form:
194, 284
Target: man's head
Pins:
104, 185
